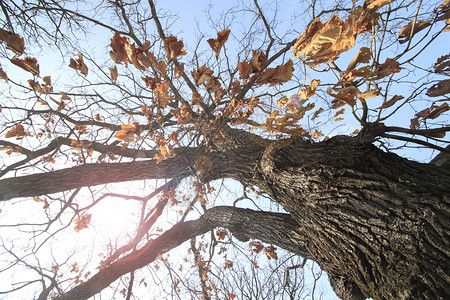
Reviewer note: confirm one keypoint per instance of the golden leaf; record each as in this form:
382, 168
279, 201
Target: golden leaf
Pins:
316, 134
310, 91
376, 4
217, 44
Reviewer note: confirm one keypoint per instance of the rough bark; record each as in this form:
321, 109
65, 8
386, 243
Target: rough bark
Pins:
376, 223
276, 228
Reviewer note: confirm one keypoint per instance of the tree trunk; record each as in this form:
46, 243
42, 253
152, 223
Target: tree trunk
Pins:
378, 224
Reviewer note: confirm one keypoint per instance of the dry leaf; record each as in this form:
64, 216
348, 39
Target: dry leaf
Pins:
406, 34
376, 4
79, 64
201, 75
439, 89
339, 112
391, 101
244, 69
179, 70
173, 47
321, 43
364, 55
13, 41
278, 75
82, 222
316, 134
29, 64
3, 75
217, 44
114, 74
310, 91
18, 131
389, 67
129, 132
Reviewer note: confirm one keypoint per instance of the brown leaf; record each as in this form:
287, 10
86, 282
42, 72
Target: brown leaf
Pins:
13, 41
442, 65
114, 74
363, 56
389, 67
278, 75
29, 64
196, 98
179, 69
244, 69
324, 42
82, 222
376, 4
339, 112
321, 43
258, 61
437, 111
201, 75
391, 101
217, 44
406, 34
79, 64
118, 54
317, 112
3, 75
213, 84
439, 89
173, 47
310, 91
18, 131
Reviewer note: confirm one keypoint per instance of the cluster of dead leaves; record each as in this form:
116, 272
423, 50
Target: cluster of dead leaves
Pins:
256, 247
272, 76
321, 43
430, 113
217, 44
129, 132
13, 41
45, 88
17, 131
412, 28
79, 65
82, 222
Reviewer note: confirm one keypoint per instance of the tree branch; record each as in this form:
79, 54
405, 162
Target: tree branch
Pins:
276, 228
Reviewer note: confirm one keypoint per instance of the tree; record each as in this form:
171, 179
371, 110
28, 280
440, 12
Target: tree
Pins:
252, 109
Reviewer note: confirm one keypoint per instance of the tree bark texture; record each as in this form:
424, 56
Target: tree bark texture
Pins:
378, 224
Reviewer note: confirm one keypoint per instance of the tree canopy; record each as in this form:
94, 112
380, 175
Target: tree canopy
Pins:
146, 153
